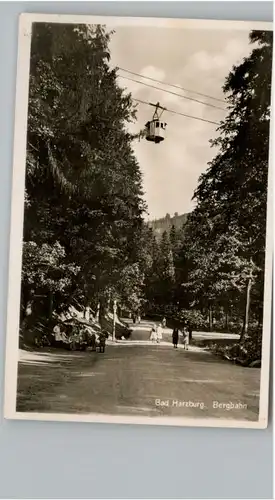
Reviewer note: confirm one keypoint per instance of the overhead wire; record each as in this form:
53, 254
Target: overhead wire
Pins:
173, 93
173, 85
178, 112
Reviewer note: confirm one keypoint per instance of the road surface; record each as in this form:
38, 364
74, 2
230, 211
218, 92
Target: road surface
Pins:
135, 379
141, 332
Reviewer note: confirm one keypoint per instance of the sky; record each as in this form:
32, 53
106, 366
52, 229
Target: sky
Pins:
198, 60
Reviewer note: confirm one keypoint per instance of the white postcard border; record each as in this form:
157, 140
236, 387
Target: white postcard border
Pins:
17, 218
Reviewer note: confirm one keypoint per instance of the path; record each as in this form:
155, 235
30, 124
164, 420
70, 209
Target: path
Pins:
141, 335
129, 379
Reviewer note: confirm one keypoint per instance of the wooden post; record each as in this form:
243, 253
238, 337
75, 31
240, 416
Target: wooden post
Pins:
114, 320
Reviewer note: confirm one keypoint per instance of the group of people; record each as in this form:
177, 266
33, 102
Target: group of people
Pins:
136, 318
156, 334
61, 338
100, 342
185, 337
184, 333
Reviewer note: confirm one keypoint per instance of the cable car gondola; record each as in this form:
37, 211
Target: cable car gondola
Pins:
155, 128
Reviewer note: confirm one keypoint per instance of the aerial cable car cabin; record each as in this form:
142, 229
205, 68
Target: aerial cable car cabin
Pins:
155, 128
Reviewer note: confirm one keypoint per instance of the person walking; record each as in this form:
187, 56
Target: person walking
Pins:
175, 337
102, 342
159, 333
190, 330
164, 323
153, 334
185, 338
93, 341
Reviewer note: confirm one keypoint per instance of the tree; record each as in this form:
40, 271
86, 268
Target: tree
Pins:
227, 229
162, 279
45, 271
130, 289
150, 262
83, 183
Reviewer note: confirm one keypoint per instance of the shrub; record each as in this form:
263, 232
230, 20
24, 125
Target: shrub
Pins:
243, 353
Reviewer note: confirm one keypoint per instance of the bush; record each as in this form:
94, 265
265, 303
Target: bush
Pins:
243, 353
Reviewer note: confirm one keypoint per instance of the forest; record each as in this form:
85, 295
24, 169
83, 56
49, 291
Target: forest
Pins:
86, 241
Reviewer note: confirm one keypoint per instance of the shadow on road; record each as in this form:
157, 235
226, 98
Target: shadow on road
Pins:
126, 380
50, 356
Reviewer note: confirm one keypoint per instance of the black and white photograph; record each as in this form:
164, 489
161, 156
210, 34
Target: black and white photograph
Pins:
140, 243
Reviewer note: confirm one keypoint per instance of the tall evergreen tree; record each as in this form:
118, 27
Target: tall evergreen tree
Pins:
227, 229
83, 183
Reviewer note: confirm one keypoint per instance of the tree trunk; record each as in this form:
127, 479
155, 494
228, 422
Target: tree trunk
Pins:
50, 304
23, 307
108, 302
226, 312
210, 318
97, 312
226, 320
260, 318
86, 310
247, 305
114, 320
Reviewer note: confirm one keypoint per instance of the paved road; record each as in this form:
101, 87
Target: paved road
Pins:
129, 379
142, 331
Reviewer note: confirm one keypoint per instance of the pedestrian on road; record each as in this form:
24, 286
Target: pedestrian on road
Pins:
153, 334
159, 333
190, 329
164, 323
175, 337
185, 338
93, 341
102, 342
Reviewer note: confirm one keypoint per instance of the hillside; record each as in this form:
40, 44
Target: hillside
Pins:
165, 223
